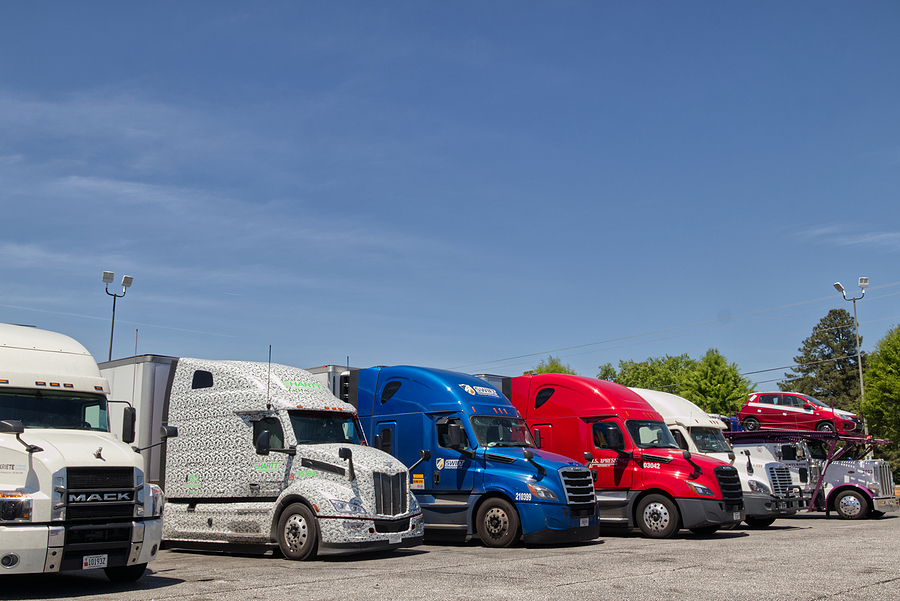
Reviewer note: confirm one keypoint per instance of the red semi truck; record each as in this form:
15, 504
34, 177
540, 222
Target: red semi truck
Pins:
641, 477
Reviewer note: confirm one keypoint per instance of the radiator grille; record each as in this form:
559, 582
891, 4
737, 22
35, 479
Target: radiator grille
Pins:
729, 484
579, 487
780, 477
99, 477
391, 493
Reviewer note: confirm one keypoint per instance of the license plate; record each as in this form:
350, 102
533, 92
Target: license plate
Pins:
93, 562
585, 521
737, 516
394, 538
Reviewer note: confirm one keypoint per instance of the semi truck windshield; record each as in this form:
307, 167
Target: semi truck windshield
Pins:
650, 434
317, 427
60, 410
710, 440
494, 431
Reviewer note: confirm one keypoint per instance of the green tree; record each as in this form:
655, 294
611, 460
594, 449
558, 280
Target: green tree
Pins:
716, 385
666, 373
552, 366
881, 406
827, 368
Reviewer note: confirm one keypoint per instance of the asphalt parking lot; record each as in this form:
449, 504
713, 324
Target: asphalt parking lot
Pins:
805, 557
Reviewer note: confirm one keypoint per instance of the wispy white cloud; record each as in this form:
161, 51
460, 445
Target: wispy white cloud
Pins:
839, 236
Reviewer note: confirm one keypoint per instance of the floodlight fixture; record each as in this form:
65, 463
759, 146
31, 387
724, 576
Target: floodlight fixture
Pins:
863, 283
126, 281
838, 287
108, 277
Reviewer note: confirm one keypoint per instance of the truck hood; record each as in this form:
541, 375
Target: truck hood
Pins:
364, 458
551, 461
70, 448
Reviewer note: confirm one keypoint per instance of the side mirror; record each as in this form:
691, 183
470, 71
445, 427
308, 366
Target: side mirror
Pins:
168, 432
537, 438
424, 455
11, 426
588, 456
376, 442
129, 417
528, 454
345, 453
807, 406
262, 443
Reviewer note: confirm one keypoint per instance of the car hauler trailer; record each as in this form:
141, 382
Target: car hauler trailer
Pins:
73, 496
830, 466
769, 492
642, 479
475, 469
266, 456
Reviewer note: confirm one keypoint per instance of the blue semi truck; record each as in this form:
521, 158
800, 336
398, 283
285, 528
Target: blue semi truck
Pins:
474, 467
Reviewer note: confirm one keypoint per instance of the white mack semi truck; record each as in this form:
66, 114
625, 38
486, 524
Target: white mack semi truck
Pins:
266, 458
73, 495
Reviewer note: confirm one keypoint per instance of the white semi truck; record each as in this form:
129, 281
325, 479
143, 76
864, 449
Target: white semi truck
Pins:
769, 492
830, 467
73, 495
266, 457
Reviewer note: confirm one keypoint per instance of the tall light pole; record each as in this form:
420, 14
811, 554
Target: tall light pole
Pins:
863, 284
126, 282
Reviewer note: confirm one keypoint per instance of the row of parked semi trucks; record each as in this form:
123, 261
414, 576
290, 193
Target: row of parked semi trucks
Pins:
248, 455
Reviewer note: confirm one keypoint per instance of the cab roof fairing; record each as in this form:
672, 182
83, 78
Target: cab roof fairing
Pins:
284, 387
678, 410
599, 398
457, 391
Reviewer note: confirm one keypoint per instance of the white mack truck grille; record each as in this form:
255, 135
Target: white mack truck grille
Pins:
99, 493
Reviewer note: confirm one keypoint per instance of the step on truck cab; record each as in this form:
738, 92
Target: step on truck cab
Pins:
769, 492
266, 457
73, 495
476, 471
832, 468
641, 478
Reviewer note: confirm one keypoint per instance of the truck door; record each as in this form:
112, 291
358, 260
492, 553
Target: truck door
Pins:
611, 463
387, 433
268, 474
453, 471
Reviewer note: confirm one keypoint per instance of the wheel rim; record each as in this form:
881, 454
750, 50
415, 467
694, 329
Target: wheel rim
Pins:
657, 517
296, 532
850, 506
751, 424
496, 522
826, 428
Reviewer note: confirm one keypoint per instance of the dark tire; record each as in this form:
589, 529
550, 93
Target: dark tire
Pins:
657, 516
125, 573
498, 523
298, 532
825, 427
759, 523
750, 424
705, 530
851, 505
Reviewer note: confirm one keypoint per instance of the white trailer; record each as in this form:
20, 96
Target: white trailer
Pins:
73, 495
266, 457
769, 492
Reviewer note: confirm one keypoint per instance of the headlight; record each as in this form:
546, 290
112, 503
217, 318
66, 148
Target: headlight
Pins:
157, 501
345, 507
757, 486
15, 507
701, 490
875, 488
413, 503
542, 492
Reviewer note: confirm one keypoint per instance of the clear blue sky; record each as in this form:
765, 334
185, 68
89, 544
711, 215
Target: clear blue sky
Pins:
469, 185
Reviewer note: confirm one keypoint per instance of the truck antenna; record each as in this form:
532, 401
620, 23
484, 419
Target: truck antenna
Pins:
268, 378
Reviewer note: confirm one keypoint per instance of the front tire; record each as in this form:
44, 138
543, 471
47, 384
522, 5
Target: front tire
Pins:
125, 573
298, 532
758, 523
750, 424
657, 516
498, 523
825, 427
851, 505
